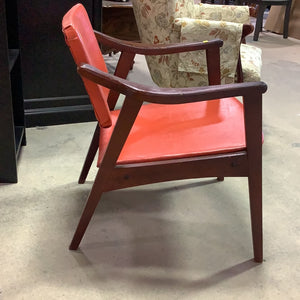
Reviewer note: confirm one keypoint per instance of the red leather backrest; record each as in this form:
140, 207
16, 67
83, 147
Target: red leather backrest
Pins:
80, 38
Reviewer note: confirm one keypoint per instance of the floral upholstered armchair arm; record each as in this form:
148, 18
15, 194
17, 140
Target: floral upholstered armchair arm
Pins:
229, 13
190, 30
156, 24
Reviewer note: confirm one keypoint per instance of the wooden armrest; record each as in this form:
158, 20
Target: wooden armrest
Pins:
170, 95
247, 29
159, 49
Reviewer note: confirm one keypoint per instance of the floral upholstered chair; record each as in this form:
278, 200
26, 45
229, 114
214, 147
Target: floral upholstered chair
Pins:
173, 21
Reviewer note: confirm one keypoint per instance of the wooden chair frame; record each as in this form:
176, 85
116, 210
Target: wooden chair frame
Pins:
128, 52
111, 176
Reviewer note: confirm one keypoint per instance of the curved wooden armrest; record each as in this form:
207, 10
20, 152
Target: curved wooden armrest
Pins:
170, 95
159, 49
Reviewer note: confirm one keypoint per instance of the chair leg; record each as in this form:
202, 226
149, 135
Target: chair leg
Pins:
90, 156
259, 21
286, 20
255, 194
253, 131
87, 213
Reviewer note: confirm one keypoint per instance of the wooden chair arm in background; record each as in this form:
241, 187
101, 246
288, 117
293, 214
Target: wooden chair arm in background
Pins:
247, 29
159, 49
129, 49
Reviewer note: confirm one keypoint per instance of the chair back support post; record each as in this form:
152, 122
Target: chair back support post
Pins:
127, 116
123, 67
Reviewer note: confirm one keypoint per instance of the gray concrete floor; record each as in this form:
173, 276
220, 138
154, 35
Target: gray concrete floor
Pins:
178, 240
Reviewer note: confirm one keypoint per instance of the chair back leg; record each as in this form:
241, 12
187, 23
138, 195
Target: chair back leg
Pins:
287, 20
259, 21
90, 155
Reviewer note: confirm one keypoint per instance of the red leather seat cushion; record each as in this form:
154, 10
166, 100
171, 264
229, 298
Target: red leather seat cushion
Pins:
163, 132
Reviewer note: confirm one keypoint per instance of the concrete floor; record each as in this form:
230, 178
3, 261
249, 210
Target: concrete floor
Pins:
178, 240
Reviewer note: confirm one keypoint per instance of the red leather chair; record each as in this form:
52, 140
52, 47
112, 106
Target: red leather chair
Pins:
183, 132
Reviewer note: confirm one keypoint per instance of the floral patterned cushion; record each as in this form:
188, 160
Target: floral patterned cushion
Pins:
180, 8
192, 30
229, 13
154, 21
156, 24
251, 62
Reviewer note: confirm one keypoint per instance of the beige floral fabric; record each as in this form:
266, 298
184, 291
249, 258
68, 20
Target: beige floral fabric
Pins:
251, 62
156, 24
229, 13
180, 8
193, 30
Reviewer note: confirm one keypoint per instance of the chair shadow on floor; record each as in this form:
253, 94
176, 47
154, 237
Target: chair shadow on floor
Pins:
184, 281
143, 235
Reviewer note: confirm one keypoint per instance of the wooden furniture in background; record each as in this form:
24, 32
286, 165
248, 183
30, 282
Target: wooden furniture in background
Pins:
12, 125
118, 21
275, 20
53, 93
262, 5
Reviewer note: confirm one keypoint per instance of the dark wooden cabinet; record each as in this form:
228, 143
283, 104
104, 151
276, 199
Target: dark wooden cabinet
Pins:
12, 126
118, 21
53, 92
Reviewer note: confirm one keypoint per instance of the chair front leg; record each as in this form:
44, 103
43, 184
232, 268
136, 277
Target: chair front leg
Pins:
253, 125
255, 194
87, 213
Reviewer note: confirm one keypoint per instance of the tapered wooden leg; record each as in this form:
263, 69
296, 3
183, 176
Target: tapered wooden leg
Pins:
255, 192
286, 20
259, 21
253, 125
255, 186
90, 155
87, 213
